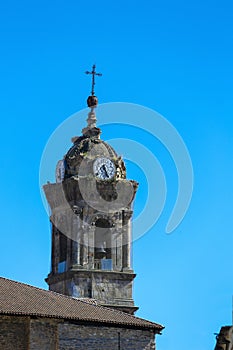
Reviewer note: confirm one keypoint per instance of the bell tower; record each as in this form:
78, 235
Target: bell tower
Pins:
91, 212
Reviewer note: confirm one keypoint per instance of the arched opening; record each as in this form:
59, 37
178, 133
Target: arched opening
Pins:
102, 241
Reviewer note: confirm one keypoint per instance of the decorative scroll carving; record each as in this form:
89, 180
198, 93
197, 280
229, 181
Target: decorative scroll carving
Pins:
225, 339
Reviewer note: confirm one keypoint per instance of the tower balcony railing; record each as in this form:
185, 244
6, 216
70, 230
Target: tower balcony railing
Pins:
97, 264
103, 264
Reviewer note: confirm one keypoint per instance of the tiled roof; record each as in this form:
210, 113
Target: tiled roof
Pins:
21, 299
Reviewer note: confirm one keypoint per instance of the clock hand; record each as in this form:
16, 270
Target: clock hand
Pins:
105, 170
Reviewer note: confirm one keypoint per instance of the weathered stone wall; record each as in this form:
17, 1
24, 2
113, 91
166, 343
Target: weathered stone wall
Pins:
25, 333
14, 333
110, 288
80, 337
43, 334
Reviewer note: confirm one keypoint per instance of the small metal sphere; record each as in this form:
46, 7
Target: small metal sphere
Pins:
92, 101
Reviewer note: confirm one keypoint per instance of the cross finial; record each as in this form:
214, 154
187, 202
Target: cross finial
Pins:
93, 72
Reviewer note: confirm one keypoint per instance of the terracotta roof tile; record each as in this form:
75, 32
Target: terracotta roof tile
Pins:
21, 299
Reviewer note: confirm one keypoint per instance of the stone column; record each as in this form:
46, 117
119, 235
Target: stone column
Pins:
84, 242
117, 246
55, 219
68, 253
81, 245
91, 246
113, 247
76, 242
126, 240
55, 249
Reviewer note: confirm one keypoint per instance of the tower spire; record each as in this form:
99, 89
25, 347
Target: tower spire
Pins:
92, 102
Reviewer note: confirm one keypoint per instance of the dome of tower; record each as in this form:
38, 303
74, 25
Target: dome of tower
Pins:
86, 150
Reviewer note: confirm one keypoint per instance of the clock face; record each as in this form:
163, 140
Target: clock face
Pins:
104, 168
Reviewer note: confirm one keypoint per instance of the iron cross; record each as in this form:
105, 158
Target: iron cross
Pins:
93, 72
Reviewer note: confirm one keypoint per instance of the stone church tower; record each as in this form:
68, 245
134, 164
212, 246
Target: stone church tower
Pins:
91, 221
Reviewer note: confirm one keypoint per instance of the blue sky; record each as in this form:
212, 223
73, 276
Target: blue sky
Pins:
173, 57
